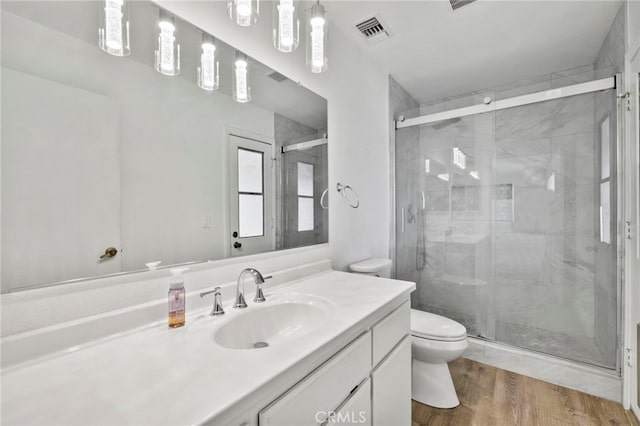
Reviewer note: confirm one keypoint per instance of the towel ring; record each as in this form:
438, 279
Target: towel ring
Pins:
322, 204
343, 188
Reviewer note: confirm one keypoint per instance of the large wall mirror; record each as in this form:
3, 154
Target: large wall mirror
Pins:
108, 165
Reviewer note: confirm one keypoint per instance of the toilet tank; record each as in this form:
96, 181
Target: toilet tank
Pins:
373, 266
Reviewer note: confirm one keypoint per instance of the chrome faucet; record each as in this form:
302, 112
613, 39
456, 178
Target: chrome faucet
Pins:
258, 279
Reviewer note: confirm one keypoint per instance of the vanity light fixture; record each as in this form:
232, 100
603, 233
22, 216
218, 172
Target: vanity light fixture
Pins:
286, 25
243, 12
241, 87
317, 31
168, 53
113, 32
208, 68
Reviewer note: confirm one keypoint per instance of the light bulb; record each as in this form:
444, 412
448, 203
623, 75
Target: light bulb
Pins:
243, 12
208, 64
285, 23
317, 45
244, 8
167, 59
113, 23
242, 94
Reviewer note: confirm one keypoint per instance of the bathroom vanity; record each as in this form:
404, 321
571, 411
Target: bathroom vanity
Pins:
329, 348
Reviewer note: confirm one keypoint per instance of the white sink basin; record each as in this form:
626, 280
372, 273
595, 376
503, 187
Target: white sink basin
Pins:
278, 320
269, 325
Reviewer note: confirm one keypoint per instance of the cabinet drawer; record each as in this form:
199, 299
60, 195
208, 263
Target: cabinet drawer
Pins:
310, 401
389, 331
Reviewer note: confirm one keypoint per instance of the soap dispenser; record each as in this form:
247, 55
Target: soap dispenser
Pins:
176, 298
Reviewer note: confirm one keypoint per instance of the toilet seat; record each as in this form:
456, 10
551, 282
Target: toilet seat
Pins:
435, 327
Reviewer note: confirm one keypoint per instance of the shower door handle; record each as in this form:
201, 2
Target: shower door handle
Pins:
402, 220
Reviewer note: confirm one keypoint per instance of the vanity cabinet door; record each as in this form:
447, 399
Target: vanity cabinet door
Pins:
391, 382
310, 401
356, 410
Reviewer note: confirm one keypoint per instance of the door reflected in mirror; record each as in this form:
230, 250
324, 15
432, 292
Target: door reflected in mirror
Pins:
102, 151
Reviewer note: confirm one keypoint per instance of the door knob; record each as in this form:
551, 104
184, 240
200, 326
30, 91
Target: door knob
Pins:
109, 252
237, 245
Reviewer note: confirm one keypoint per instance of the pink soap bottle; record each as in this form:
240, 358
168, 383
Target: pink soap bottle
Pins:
176, 298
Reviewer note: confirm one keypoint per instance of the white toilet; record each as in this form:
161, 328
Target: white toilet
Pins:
375, 266
435, 341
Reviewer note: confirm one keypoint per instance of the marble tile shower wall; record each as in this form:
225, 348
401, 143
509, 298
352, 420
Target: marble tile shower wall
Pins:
516, 254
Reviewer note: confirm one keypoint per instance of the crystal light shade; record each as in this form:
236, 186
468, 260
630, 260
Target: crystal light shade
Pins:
208, 68
243, 12
113, 32
168, 53
241, 86
286, 25
317, 32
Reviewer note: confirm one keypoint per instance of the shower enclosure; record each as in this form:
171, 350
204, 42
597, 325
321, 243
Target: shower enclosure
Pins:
507, 207
301, 181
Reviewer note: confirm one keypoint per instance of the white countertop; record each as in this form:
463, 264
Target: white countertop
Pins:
164, 376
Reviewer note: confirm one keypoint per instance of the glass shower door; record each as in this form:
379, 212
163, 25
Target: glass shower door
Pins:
555, 265
444, 193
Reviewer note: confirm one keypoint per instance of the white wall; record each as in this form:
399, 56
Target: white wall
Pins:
358, 124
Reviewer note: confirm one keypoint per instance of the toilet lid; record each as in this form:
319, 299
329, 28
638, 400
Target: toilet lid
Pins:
436, 327
371, 265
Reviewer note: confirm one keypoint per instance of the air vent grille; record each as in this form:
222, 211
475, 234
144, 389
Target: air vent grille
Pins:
373, 30
277, 76
457, 4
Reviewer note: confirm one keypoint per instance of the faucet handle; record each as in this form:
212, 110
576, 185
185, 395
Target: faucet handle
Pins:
217, 301
259, 294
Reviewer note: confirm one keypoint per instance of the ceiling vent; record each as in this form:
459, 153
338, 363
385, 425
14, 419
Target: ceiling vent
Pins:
277, 76
373, 30
457, 4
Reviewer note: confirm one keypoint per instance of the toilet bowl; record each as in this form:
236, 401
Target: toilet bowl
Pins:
435, 341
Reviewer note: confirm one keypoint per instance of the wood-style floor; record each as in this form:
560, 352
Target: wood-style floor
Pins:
490, 396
